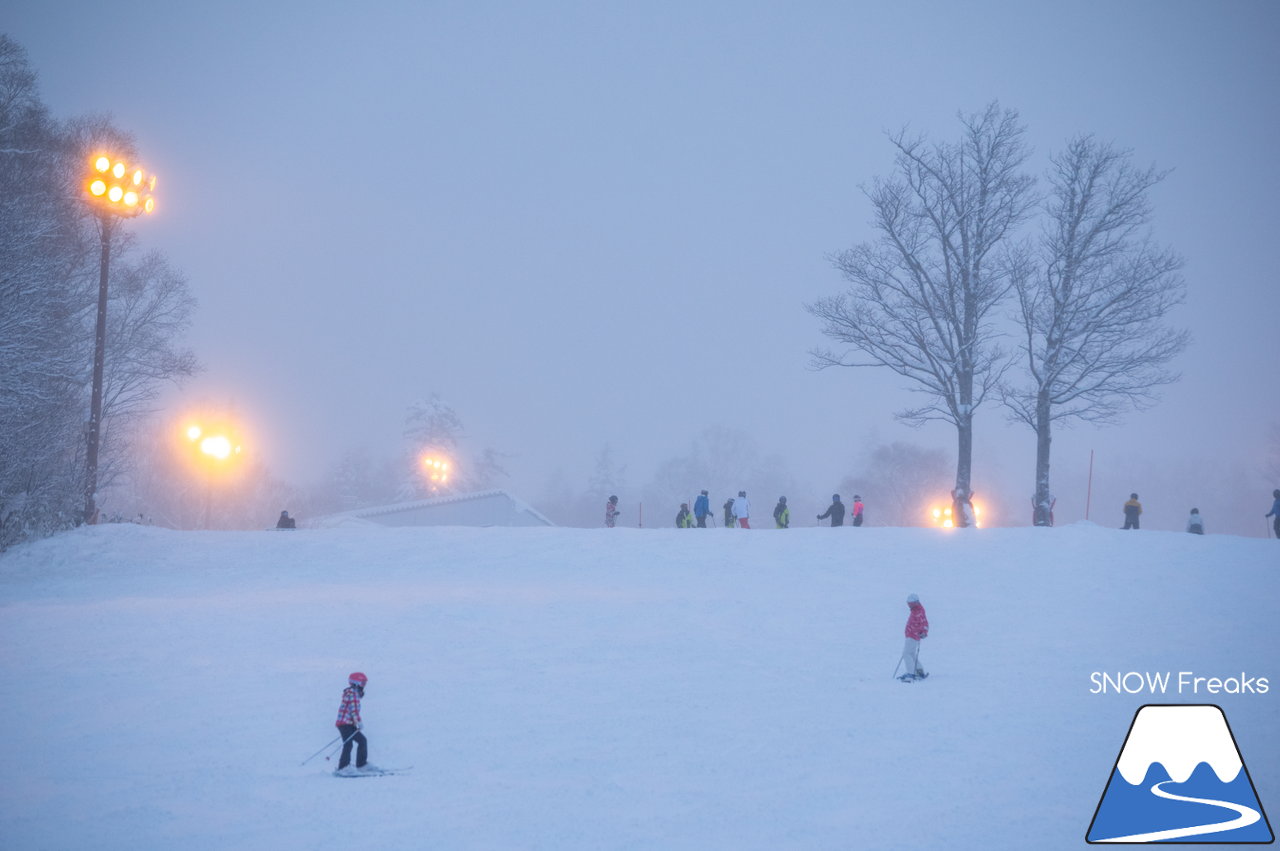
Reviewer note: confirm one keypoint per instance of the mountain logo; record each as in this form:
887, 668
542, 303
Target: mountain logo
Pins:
1180, 778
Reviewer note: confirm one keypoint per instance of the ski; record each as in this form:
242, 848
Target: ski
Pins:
381, 772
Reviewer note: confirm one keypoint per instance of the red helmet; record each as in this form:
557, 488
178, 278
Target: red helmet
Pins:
358, 679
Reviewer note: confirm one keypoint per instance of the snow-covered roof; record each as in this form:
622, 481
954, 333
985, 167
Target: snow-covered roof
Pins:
479, 508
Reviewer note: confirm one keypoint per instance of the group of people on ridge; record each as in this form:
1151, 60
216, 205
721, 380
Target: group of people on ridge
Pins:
737, 512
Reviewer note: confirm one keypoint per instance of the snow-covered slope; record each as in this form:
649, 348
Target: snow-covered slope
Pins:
565, 689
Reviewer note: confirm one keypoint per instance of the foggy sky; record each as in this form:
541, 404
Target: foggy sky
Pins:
586, 223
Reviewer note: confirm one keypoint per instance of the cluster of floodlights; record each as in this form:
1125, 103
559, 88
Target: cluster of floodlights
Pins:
128, 191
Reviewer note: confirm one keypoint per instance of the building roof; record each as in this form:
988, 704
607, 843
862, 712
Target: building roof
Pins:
479, 508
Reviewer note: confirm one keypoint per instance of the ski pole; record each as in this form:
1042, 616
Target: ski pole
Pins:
330, 745
896, 667
322, 750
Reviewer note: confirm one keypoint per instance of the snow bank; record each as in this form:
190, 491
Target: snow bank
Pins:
565, 689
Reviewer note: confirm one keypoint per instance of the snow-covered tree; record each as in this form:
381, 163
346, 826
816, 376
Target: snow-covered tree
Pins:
923, 294
41, 362
48, 295
608, 479
434, 434
1093, 300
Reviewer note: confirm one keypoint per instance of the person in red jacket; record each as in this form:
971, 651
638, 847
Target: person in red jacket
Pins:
349, 726
917, 630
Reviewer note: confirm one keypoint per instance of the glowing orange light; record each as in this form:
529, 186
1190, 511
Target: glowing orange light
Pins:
216, 447
115, 193
137, 177
102, 164
118, 169
149, 205
194, 432
131, 198
98, 188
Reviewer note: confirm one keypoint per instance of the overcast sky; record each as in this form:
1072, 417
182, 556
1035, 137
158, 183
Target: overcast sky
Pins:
583, 223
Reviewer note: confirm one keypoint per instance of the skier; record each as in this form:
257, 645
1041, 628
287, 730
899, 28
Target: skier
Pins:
729, 520
917, 630
857, 510
1042, 512
782, 514
349, 726
701, 508
611, 511
684, 519
742, 510
1132, 511
286, 522
1275, 512
1194, 524
835, 512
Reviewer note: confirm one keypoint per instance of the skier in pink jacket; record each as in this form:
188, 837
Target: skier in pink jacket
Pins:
349, 726
916, 631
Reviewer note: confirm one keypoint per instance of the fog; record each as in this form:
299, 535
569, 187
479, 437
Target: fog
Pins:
592, 224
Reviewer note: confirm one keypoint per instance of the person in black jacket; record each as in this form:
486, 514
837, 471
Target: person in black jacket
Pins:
835, 512
286, 522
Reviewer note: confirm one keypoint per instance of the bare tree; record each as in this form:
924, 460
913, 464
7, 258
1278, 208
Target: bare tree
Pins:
900, 482
1093, 302
923, 293
723, 460
150, 307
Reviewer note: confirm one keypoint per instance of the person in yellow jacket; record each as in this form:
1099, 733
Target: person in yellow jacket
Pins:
781, 513
1132, 511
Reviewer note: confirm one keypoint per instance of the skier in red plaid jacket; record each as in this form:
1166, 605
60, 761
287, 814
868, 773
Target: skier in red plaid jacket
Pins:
349, 725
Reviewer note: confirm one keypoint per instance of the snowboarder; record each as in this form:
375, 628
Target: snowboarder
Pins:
917, 630
701, 508
1275, 512
1132, 511
782, 514
729, 520
286, 522
349, 726
611, 511
835, 512
1195, 525
857, 510
684, 519
742, 510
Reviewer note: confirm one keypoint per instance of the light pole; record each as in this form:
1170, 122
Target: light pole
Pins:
115, 191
